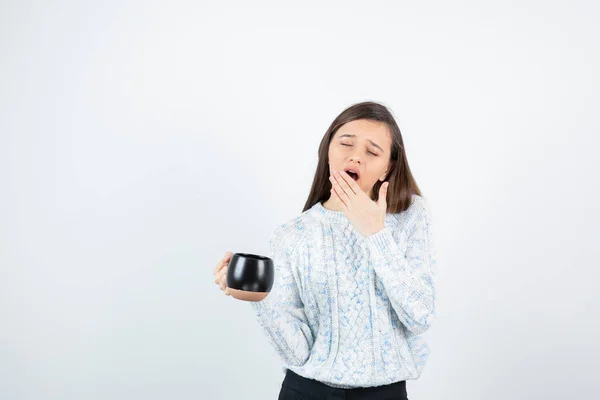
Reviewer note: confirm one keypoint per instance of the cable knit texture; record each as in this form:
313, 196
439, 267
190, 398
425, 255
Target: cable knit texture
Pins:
349, 310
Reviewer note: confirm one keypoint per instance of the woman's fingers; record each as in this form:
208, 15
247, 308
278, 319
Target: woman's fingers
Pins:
219, 275
222, 262
221, 278
219, 265
218, 278
220, 272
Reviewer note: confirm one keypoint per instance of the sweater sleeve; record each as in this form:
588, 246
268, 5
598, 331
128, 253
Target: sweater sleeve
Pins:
407, 269
281, 314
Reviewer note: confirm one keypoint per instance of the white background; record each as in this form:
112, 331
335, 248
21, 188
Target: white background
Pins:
139, 142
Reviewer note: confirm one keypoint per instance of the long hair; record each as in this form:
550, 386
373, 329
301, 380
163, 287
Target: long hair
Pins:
402, 184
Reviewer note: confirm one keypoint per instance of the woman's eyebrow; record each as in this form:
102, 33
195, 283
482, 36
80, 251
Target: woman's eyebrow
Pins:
372, 142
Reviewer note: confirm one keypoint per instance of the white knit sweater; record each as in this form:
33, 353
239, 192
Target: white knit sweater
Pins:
349, 310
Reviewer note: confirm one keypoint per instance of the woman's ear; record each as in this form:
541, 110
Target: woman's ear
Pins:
388, 169
385, 173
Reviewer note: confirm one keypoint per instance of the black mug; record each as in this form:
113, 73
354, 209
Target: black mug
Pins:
250, 276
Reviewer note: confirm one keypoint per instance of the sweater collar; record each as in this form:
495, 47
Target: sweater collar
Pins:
330, 215
336, 216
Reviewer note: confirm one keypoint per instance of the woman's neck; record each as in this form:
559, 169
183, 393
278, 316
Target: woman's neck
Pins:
333, 204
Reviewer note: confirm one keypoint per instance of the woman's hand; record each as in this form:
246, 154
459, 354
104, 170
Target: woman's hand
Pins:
366, 215
220, 272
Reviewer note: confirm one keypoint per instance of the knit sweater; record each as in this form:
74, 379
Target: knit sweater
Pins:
348, 310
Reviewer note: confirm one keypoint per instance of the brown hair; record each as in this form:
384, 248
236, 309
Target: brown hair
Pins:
402, 184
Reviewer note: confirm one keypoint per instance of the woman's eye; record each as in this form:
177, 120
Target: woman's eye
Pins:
370, 152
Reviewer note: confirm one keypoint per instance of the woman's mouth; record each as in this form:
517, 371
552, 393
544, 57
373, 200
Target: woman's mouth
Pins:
353, 175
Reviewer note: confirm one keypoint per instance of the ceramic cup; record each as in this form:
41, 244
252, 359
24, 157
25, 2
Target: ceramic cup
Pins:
250, 276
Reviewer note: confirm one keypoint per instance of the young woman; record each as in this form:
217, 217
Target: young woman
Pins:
355, 271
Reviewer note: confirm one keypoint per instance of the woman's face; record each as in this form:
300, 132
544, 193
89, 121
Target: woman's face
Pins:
364, 146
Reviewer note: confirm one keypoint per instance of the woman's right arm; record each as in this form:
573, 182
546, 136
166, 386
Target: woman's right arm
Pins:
281, 314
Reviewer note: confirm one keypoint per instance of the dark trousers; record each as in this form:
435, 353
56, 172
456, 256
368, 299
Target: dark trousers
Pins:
296, 387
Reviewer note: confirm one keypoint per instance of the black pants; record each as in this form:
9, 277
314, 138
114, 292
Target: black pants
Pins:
296, 387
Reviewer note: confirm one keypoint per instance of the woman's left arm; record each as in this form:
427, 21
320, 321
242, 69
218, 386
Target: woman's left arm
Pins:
407, 269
